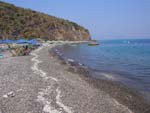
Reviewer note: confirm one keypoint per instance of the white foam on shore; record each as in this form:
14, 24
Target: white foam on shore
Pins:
122, 106
70, 60
40, 98
109, 76
80, 64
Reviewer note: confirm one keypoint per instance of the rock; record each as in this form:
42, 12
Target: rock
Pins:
10, 94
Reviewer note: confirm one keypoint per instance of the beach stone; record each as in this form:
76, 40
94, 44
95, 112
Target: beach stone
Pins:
11, 94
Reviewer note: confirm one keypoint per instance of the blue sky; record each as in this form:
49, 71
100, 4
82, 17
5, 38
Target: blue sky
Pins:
105, 19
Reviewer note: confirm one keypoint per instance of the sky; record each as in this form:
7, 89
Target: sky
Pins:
105, 19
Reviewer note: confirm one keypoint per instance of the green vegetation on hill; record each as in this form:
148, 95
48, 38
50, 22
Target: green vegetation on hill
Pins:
18, 22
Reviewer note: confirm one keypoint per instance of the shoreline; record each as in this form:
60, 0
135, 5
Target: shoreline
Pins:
42, 83
123, 94
64, 102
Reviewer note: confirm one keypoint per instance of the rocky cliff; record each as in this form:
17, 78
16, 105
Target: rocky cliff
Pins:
16, 22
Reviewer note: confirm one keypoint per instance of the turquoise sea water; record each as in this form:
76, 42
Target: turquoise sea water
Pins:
127, 61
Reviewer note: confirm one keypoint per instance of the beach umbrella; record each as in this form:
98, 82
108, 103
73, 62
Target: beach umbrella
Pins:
1, 41
8, 41
34, 42
22, 41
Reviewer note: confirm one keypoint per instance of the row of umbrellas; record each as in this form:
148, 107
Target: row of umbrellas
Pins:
20, 41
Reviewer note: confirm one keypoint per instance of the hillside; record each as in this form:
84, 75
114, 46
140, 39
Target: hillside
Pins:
16, 22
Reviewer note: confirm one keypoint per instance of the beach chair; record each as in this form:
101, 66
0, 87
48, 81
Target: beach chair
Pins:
1, 56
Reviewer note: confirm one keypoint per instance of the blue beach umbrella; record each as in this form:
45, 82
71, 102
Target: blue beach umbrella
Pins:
8, 41
1, 41
22, 41
34, 42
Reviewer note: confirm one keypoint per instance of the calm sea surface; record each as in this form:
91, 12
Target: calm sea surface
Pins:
126, 61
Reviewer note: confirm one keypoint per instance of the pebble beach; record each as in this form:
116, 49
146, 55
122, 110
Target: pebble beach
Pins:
40, 83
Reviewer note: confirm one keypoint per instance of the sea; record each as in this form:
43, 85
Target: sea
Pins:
126, 61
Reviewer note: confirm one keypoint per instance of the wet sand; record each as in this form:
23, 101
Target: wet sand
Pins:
40, 83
